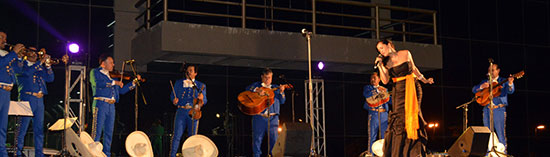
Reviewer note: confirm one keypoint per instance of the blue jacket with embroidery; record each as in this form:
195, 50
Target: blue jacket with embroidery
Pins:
187, 94
9, 66
369, 91
102, 85
33, 78
503, 97
278, 100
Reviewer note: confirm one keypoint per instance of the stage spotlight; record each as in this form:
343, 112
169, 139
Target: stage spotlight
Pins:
320, 65
73, 47
541, 127
280, 129
217, 115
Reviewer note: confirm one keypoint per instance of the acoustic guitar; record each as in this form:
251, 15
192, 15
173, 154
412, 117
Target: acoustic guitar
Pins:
252, 103
482, 97
378, 99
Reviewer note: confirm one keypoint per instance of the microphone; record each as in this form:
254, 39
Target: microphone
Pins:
130, 61
376, 63
305, 32
491, 60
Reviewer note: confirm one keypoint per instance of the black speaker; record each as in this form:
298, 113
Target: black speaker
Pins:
294, 140
473, 142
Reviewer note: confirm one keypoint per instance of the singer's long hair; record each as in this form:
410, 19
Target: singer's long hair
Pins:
388, 42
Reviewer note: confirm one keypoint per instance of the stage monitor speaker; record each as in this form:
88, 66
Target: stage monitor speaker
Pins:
473, 142
294, 140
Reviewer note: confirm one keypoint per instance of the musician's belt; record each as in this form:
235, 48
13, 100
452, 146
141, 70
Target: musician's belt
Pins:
6, 87
498, 106
37, 95
378, 110
107, 100
186, 107
267, 116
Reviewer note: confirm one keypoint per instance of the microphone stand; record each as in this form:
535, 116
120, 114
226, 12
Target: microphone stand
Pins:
195, 89
307, 34
491, 106
136, 94
465, 113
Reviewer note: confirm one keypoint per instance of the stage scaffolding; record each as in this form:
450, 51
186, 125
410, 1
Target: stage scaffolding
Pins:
81, 92
319, 142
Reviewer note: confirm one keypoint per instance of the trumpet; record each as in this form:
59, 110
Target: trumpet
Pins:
51, 61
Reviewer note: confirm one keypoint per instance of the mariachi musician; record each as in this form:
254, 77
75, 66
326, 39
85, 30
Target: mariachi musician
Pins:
500, 102
188, 95
377, 102
106, 91
32, 79
9, 65
270, 114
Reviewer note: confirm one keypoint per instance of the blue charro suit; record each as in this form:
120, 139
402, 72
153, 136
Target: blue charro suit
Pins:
185, 93
499, 114
103, 88
9, 65
32, 80
369, 91
259, 123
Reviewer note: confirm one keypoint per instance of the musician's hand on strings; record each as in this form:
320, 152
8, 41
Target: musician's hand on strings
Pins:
484, 85
282, 89
119, 83
201, 97
175, 101
510, 80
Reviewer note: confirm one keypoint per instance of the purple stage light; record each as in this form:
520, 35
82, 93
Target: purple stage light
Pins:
321, 65
73, 47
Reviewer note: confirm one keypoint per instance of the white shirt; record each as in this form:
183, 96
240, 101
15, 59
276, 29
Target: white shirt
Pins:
3, 53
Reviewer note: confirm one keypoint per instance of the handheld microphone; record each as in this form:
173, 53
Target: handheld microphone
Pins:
376, 63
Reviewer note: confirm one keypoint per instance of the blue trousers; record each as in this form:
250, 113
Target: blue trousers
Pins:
182, 121
499, 118
37, 107
4, 108
259, 128
104, 123
373, 126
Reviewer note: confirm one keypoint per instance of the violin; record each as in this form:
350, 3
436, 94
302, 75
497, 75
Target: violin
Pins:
482, 97
196, 113
116, 74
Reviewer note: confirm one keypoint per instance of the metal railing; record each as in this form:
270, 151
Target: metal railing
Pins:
423, 25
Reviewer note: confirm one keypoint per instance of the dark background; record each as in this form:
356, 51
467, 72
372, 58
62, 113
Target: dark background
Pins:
514, 33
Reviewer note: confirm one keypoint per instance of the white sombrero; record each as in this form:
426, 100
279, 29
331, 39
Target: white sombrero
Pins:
199, 146
139, 145
95, 148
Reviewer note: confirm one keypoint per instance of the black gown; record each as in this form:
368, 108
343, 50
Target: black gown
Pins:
395, 141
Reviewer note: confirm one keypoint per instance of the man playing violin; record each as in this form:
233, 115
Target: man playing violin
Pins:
31, 81
377, 102
260, 121
186, 93
500, 102
106, 93
8, 68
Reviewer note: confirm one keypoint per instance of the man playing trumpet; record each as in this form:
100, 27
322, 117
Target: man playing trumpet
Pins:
32, 88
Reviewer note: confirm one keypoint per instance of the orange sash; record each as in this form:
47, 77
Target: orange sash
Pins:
411, 106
